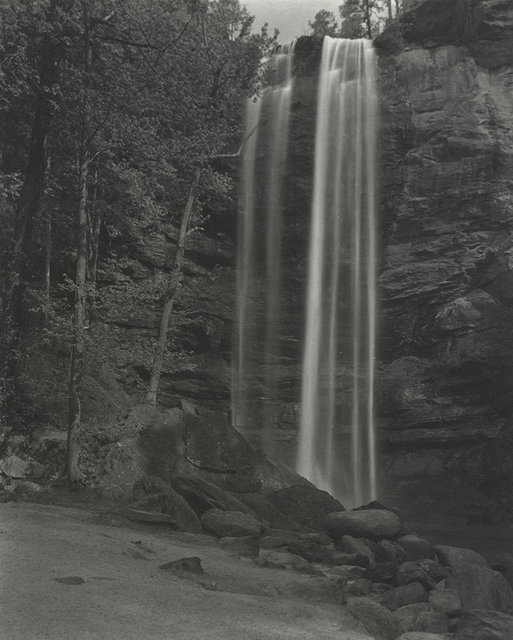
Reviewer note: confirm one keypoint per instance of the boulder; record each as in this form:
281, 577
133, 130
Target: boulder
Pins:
313, 589
267, 512
285, 560
435, 570
243, 547
456, 556
378, 621
184, 566
153, 495
381, 572
413, 572
389, 551
368, 523
416, 548
445, 600
481, 588
356, 545
421, 617
15, 467
305, 504
359, 587
401, 596
231, 524
203, 495
485, 625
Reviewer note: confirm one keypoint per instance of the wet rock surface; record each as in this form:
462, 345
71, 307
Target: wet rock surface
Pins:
446, 270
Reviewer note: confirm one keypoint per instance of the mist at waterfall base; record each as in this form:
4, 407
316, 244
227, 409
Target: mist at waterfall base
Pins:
332, 350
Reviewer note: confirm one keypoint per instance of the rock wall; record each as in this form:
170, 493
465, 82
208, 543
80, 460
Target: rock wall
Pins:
446, 75
445, 370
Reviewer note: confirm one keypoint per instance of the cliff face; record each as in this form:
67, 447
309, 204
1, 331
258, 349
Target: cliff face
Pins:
447, 220
445, 370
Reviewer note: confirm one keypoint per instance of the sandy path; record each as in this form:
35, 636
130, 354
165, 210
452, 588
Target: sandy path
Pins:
125, 595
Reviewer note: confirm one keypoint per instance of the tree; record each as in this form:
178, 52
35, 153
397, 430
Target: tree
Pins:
46, 47
324, 24
360, 18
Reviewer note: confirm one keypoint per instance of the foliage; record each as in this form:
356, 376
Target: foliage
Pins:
162, 94
324, 24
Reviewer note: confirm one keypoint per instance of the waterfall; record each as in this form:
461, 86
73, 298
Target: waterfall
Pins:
259, 253
336, 448
340, 330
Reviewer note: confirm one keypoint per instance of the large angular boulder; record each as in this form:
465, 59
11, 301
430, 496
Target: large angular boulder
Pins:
401, 596
413, 572
481, 588
457, 556
421, 617
445, 600
377, 620
485, 625
305, 504
389, 551
367, 523
416, 548
154, 501
203, 495
231, 524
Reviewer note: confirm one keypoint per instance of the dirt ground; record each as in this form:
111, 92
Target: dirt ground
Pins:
122, 594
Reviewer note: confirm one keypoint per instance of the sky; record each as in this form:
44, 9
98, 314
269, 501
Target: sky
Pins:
289, 16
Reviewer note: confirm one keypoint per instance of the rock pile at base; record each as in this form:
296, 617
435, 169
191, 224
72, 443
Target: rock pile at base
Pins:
395, 583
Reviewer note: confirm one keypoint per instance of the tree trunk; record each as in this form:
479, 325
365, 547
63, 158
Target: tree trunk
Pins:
79, 316
48, 265
171, 294
389, 9
368, 18
95, 223
27, 207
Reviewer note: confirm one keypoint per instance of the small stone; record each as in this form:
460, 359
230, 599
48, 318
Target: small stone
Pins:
73, 580
416, 548
231, 524
285, 560
152, 517
401, 596
184, 566
421, 635
369, 523
243, 547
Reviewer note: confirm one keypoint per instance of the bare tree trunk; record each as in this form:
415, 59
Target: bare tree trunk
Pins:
48, 265
79, 316
389, 9
95, 223
171, 294
27, 207
367, 18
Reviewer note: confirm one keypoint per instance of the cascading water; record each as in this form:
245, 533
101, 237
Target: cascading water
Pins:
336, 440
259, 278
341, 289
